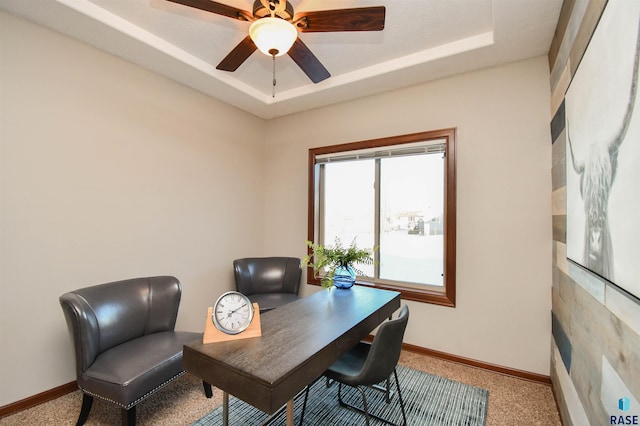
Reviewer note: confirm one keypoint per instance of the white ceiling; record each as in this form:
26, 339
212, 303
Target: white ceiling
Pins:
422, 40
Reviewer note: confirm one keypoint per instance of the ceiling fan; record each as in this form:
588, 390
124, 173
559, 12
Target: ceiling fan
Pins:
280, 13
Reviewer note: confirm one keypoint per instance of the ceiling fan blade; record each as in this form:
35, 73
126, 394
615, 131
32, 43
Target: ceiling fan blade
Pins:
356, 19
238, 55
215, 7
307, 61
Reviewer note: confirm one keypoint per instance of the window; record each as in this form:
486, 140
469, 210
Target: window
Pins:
397, 194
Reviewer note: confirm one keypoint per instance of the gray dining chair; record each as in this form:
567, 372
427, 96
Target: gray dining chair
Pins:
368, 364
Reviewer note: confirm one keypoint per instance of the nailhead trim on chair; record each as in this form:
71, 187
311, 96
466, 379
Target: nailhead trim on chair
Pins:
126, 407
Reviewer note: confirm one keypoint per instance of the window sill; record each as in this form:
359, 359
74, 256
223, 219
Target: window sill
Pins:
414, 294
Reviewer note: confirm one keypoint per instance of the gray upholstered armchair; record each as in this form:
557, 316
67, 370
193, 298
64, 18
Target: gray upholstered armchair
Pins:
125, 344
268, 281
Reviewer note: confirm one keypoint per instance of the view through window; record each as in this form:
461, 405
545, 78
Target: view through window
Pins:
397, 194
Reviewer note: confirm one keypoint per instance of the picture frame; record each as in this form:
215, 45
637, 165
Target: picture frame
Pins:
602, 110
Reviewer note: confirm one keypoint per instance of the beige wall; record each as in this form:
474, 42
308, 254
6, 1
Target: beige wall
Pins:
110, 172
504, 223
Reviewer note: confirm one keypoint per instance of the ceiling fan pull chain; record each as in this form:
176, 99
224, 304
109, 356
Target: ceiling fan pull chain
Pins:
273, 90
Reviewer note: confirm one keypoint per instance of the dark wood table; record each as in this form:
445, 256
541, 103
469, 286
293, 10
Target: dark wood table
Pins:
299, 342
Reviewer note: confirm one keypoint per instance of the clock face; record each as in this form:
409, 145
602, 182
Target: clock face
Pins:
232, 312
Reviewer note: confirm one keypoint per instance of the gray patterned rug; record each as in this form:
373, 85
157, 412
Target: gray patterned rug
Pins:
428, 400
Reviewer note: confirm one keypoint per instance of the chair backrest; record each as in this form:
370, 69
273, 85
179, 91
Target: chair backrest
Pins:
256, 275
385, 350
103, 316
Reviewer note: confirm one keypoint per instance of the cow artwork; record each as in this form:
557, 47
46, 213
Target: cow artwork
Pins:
597, 174
603, 151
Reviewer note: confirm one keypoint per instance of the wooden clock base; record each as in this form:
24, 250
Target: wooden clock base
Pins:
213, 335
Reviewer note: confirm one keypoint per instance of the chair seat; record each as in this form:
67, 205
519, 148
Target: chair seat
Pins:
347, 369
268, 301
129, 371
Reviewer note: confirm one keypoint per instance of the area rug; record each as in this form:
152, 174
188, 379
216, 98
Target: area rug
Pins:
428, 400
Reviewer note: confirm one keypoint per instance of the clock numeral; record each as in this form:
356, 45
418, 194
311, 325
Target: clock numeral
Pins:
232, 312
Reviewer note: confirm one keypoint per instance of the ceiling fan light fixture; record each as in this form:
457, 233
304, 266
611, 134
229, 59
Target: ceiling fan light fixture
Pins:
273, 36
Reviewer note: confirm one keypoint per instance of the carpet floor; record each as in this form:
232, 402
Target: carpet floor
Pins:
512, 401
428, 400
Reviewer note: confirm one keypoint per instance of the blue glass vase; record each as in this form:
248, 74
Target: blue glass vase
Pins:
344, 277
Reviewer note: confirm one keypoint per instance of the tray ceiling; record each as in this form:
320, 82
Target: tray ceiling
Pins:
422, 40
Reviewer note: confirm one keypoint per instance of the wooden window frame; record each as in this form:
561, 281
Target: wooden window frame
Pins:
409, 292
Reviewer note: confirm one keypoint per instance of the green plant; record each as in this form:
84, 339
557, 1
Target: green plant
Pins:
330, 258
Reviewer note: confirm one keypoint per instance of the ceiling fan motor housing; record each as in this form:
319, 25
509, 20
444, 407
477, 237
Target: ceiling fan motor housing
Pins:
260, 11
280, 14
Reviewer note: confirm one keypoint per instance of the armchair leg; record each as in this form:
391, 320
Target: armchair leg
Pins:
387, 395
87, 402
366, 408
129, 416
306, 397
207, 389
364, 403
304, 404
404, 415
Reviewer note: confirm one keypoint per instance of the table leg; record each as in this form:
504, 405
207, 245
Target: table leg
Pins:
225, 409
290, 412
